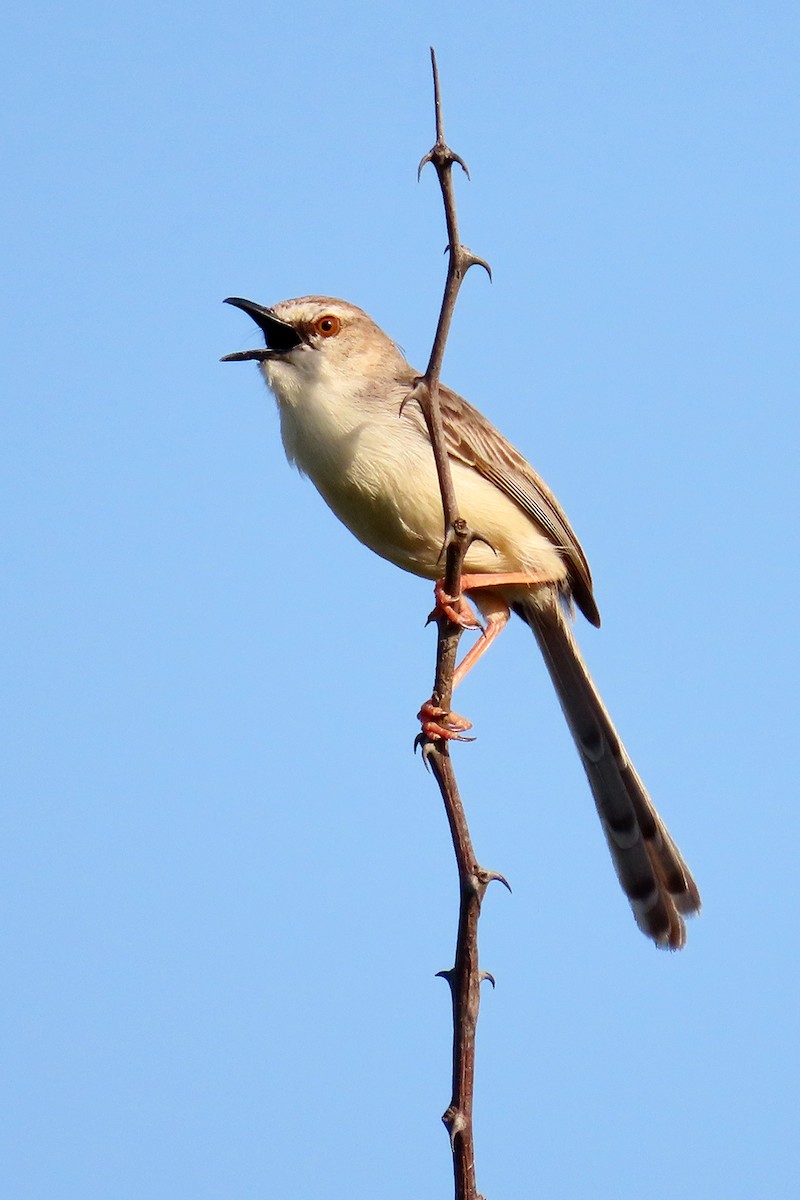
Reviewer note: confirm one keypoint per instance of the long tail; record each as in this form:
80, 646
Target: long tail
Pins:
653, 875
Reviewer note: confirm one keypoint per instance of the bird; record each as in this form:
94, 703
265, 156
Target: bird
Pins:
340, 384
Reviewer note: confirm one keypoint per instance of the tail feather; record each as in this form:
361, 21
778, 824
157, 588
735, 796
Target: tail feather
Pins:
653, 875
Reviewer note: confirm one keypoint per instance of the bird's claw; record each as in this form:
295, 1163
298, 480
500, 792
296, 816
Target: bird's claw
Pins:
455, 608
440, 725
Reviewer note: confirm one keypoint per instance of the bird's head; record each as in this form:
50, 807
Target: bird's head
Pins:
316, 340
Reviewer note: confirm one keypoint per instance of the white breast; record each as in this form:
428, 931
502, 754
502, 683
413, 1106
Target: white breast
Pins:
375, 470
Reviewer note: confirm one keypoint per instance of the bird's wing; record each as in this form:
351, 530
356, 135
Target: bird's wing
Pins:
474, 441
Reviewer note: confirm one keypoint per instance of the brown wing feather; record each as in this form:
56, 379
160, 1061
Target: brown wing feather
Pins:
475, 442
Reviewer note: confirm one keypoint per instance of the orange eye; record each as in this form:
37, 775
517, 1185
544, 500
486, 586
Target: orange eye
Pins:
328, 326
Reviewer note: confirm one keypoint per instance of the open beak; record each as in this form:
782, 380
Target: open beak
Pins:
279, 336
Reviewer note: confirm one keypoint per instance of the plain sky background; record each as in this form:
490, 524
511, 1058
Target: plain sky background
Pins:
227, 882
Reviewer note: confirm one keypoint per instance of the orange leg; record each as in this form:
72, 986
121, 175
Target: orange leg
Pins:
436, 723
496, 613
456, 607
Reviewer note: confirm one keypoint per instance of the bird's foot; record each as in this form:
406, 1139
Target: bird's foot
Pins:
456, 608
438, 724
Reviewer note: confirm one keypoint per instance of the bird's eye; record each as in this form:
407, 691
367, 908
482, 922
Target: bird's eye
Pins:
327, 326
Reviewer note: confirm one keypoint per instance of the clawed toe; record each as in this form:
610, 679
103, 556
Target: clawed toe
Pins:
456, 608
438, 724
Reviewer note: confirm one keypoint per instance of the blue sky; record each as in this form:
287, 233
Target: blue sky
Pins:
227, 883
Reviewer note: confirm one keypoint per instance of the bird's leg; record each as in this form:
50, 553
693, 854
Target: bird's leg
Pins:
436, 722
456, 608
495, 612
493, 609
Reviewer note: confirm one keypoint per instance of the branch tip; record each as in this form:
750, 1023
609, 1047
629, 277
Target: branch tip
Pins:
437, 99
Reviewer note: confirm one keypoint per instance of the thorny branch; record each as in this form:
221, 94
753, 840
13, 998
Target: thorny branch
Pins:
465, 976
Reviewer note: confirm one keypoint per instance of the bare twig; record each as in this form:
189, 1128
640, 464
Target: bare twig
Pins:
457, 536
465, 976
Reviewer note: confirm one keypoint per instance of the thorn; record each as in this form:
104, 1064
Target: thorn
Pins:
448, 975
484, 975
457, 158
428, 749
410, 395
472, 260
456, 533
417, 387
478, 537
455, 1123
496, 877
442, 158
